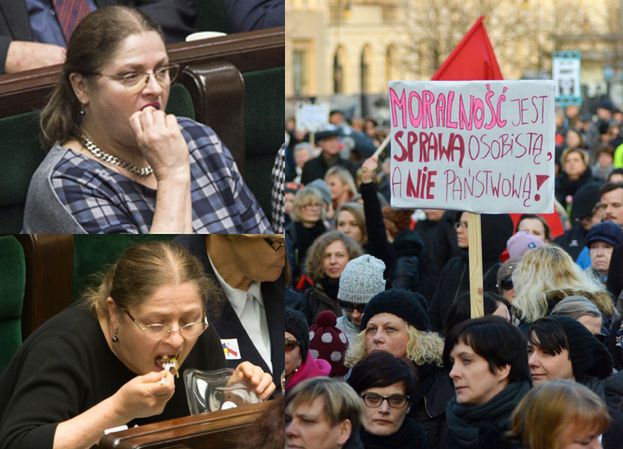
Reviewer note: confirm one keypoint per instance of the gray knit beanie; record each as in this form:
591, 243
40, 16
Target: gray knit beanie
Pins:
361, 279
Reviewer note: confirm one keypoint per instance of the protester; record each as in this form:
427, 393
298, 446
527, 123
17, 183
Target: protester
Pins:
488, 366
522, 242
560, 347
328, 343
342, 185
118, 163
535, 225
409, 252
493, 304
350, 220
585, 212
306, 226
504, 278
396, 321
360, 281
439, 238
386, 385
329, 142
560, 415
601, 241
454, 280
101, 362
300, 364
583, 310
326, 259
545, 276
322, 413
575, 173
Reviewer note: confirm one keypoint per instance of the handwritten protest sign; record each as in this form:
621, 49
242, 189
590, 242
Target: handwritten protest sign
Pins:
478, 146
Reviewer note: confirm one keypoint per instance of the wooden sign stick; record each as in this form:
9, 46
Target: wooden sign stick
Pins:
475, 265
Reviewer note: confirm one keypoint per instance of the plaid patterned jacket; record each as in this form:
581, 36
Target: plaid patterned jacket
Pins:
72, 193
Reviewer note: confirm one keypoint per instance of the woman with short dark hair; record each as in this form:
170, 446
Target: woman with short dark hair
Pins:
489, 368
386, 385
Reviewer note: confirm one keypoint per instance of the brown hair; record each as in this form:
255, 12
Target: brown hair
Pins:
551, 409
94, 42
315, 253
141, 270
357, 212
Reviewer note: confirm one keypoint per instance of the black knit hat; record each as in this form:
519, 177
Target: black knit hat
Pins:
297, 326
589, 357
408, 305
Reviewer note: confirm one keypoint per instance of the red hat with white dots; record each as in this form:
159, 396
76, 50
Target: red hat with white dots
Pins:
328, 342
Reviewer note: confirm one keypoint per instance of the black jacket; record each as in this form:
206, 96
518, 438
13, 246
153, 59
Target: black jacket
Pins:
316, 168
454, 279
228, 325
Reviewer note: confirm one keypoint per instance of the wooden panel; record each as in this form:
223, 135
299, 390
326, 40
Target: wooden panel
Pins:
255, 50
217, 91
216, 430
49, 267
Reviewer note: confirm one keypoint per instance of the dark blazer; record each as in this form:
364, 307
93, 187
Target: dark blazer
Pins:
228, 325
176, 19
254, 14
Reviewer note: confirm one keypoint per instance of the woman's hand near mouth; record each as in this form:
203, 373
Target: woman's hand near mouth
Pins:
144, 395
160, 140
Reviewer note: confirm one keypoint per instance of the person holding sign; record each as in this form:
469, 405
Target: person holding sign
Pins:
454, 279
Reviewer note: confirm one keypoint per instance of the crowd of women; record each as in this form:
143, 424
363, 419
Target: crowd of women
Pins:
540, 370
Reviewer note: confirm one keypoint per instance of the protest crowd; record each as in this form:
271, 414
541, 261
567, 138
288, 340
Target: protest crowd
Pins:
378, 302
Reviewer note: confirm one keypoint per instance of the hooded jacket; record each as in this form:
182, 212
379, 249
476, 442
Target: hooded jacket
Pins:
454, 279
310, 368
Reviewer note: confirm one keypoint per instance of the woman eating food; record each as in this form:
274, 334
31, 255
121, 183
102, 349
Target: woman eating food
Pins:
109, 360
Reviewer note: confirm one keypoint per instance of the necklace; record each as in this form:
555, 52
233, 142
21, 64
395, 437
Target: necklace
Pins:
95, 151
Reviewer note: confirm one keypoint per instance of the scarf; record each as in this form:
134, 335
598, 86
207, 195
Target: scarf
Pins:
465, 422
409, 436
330, 286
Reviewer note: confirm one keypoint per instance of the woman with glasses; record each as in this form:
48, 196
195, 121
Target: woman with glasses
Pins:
488, 366
110, 359
386, 385
117, 162
395, 321
306, 226
300, 363
454, 278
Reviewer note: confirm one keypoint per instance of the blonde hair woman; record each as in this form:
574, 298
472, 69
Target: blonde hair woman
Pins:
561, 414
396, 321
342, 185
548, 274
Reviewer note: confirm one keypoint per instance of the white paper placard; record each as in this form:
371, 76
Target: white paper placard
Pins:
478, 146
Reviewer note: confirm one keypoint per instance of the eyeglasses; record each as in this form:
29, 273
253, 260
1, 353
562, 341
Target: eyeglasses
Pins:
135, 82
460, 224
276, 245
394, 401
162, 331
350, 306
290, 344
506, 283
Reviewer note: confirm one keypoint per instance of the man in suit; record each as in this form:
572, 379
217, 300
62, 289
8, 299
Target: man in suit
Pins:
248, 270
30, 34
